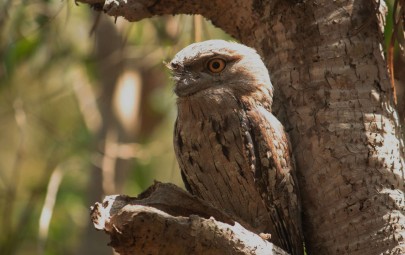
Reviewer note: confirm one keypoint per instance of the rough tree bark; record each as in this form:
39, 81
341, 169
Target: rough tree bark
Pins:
166, 212
326, 62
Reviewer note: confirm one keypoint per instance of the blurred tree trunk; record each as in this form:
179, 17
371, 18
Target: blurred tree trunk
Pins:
105, 32
121, 86
400, 85
332, 91
103, 174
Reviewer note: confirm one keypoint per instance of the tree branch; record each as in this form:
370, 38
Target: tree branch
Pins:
219, 12
167, 220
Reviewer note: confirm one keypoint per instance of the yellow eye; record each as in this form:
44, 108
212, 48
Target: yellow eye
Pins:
216, 65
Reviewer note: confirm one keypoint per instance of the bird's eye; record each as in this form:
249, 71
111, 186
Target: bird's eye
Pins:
174, 65
216, 65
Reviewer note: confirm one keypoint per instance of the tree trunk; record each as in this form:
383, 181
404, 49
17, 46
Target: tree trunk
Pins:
332, 90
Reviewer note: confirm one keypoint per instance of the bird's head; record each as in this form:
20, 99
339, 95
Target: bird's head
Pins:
219, 64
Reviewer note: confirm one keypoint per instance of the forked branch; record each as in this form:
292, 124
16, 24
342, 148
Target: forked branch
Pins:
167, 220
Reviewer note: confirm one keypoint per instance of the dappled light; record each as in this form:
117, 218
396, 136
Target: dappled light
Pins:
127, 96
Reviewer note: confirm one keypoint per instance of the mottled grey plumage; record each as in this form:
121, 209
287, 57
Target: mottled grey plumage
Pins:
231, 150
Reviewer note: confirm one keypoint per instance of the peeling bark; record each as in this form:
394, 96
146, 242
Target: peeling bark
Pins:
332, 88
168, 220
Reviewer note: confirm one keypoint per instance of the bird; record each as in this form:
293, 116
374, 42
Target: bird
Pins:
232, 151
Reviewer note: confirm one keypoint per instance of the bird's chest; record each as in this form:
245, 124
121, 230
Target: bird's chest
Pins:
213, 155
212, 137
